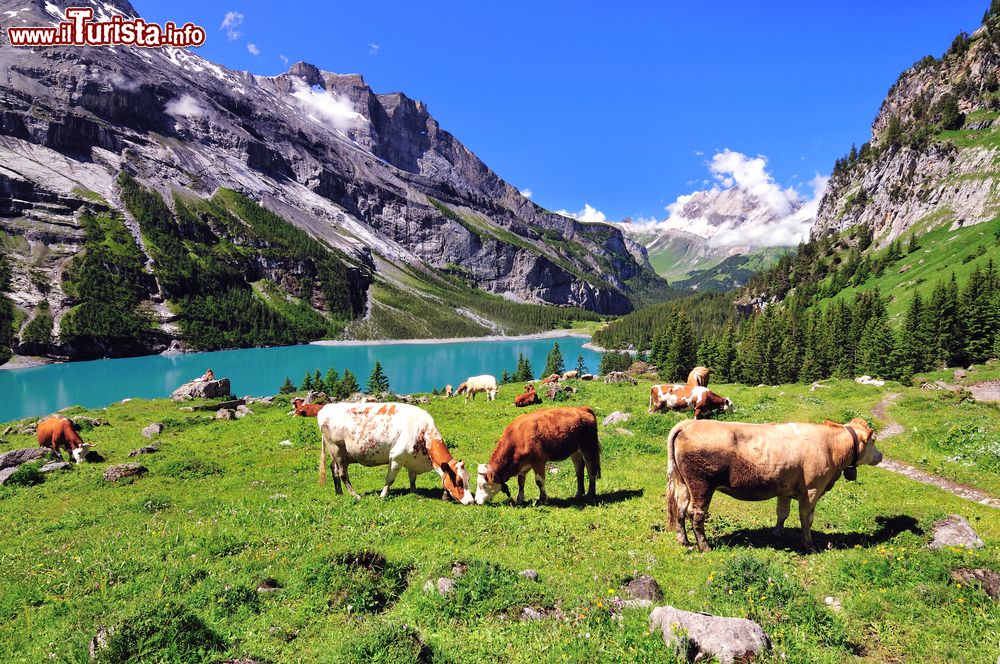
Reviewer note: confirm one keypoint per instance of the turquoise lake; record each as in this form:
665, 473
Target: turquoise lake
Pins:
411, 367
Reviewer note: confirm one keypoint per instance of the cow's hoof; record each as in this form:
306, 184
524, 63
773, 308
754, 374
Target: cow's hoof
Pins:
778, 533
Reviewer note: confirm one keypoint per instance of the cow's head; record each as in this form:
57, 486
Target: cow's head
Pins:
81, 452
462, 388
868, 454
487, 485
727, 405
455, 479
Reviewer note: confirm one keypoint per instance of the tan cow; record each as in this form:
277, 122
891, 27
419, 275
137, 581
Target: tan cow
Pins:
698, 377
570, 374
475, 384
759, 462
59, 433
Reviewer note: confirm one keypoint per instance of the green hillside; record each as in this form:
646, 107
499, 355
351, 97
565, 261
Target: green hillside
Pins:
172, 563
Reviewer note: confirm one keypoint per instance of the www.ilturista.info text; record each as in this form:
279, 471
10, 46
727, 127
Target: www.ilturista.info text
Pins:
79, 30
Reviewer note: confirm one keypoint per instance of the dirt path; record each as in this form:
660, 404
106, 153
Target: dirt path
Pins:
894, 428
986, 391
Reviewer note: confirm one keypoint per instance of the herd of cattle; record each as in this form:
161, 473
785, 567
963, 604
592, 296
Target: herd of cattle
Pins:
746, 461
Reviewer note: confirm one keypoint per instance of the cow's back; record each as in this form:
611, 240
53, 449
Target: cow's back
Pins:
55, 431
372, 433
557, 431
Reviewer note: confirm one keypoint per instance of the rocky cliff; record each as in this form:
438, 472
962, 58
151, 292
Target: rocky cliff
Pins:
932, 157
400, 202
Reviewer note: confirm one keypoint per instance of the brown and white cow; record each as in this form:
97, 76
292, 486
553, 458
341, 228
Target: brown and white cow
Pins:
698, 377
393, 434
527, 398
570, 374
448, 391
532, 439
303, 409
59, 433
475, 384
552, 378
686, 397
759, 462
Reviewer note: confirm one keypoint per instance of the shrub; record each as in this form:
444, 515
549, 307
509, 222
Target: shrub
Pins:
27, 474
484, 590
358, 581
167, 633
388, 644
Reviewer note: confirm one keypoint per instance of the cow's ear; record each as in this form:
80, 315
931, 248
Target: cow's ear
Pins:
449, 471
832, 423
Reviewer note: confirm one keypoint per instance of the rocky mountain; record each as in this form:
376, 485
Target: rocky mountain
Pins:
931, 158
321, 206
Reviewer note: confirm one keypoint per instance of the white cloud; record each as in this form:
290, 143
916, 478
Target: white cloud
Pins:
184, 106
744, 206
230, 22
373, 49
588, 214
252, 48
699, 153
527, 193
284, 59
326, 108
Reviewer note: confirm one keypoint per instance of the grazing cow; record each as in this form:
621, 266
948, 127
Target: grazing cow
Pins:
619, 377
393, 434
554, 378
698, 377
685, 397
59, 433
570, 374
532, 439
527, 398
448, 391
474, 384
303, 409
759, 462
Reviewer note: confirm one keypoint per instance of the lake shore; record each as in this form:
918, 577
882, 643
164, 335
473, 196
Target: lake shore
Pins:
551, 334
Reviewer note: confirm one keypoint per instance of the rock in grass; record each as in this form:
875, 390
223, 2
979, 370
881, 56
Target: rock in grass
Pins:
99, 642
153, 430
643, 587
148, 449
443, 586
225, 414
242, 411
120, 471
955, 531
459, 569
268, 586
616, 417
986, 578
202, 389
727, 639
15, 458
530, 575
55, 465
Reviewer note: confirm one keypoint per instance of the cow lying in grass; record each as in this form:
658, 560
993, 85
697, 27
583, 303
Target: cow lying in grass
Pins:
532, 439
527, 398
393, 434
303, 409
59, 433
759, 462
476, 384
685, 397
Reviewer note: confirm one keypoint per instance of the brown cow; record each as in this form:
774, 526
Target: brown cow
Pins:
59, 433
698, 377
759, 462
303, 409
554, 378
532, 439
448, 391
685, 397
527, 398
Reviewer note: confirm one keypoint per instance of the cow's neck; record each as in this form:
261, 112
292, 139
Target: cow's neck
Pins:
438, 453
853, 450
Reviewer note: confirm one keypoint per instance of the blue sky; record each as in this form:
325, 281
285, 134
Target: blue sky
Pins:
616, 105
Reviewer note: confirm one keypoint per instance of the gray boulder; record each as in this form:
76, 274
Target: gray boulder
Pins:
954, 531
643, 587
727, 639
202, 389
616, 417
148, 449
985, 578
5, 473
114, 473
15, 458
225, 414
55, 465
530, 575
153, 430
242, 411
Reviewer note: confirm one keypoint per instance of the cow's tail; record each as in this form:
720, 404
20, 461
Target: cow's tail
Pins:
674, 479
322, 458
596, 445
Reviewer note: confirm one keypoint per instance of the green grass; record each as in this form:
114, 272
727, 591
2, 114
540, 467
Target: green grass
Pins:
173, 559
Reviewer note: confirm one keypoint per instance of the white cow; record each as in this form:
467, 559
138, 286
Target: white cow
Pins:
474, 384
393, 434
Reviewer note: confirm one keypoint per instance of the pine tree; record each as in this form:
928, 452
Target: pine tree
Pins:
505, 377
913, 344
524, 371
876, 348
332, 381
318, 383
348, 385
614, 361
287, 387
913, 244
307, 382
977, 316
681, 350
378, 382
581, 366
554, 363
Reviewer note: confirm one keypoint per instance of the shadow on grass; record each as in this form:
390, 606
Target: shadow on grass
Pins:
888, 528
609, 498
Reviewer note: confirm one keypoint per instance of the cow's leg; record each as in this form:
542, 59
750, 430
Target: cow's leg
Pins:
520, 486
807, 507
413, 479
540, 481
578, 463
347, 480
390, 476
784, 508
700, 498
683, 500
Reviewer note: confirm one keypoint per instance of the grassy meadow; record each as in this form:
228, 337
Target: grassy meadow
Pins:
171, 562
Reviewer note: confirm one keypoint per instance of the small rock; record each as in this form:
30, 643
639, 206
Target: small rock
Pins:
529, 613
955, 531
7, 472
114, 473
459, 569
230, 404
268, 586
286, 443
530, 574
226, 414
99, 642
242, 411
833, 603
624, 432
154, 429
987, 578
643, 587
443, 585
55, 465
727, 639
148, 449
616, 417
553, 470
960, 373
423, 399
